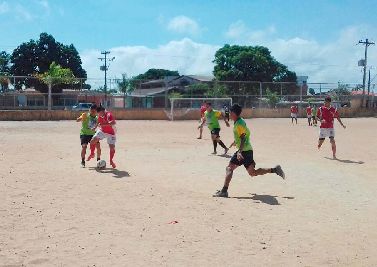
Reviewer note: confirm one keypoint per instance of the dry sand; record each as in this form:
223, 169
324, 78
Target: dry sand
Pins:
55, 213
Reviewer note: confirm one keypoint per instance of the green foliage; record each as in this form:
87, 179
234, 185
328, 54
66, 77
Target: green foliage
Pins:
175, 95
311, 91
156, 74
34, 57
4, 70
272, 98
249, 63
56, 74
124, 85
217, 90
198, 89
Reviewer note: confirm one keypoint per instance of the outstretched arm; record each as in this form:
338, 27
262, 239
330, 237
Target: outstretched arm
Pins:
202, 122
341, 123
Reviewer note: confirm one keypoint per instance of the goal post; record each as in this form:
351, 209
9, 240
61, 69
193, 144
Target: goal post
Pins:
181, 107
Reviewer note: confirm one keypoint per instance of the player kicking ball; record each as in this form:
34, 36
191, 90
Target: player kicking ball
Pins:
244, 155
211, 117
326, 115
105, 125
88, 121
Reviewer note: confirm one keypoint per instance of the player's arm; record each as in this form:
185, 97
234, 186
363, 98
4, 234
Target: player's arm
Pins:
202, 122
222, 116
80, 118
232, 144
239, 153
340, 121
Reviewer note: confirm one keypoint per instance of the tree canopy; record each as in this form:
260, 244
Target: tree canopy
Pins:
35, 57
249, 63
155, 74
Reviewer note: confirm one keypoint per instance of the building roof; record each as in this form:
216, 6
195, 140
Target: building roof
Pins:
201, 78
150, 92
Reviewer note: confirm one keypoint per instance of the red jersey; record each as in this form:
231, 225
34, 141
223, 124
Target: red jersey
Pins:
202, 110
327, 115
106, 119
294, 109
309, 111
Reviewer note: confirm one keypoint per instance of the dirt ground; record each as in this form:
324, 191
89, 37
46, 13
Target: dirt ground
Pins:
157, 208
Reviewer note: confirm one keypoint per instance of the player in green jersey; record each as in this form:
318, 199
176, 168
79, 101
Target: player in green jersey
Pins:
88, 122
244, 155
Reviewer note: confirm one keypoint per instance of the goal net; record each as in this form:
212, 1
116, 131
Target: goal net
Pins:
187, 108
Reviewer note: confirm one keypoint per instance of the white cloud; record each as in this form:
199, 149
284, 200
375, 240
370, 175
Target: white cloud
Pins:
4, 7
22, 13
183, 24
186, 56
323, 62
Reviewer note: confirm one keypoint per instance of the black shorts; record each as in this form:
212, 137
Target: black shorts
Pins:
248, 159
85, 139
216, 132
227, 115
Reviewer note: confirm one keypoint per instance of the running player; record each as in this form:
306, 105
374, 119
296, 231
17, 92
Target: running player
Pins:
294, 113
309, 114
106, 124
326, 115
88, 121
226, 111
203, 109
314, 117
244, 155
211, 117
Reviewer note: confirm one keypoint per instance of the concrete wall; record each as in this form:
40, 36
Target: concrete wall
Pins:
162, 114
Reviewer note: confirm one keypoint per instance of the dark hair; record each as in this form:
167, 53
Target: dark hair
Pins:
93, 106
236, 109
209, 103
100, 108
328, 99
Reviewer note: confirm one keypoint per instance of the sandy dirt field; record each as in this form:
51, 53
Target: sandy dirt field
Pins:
55, 213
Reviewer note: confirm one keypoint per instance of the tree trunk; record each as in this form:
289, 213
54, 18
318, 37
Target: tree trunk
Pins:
49, 100
124, 99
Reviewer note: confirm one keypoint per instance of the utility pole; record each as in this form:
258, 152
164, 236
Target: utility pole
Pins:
367, 43
105, 68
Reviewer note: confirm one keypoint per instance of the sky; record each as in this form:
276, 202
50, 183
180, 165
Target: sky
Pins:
313, 38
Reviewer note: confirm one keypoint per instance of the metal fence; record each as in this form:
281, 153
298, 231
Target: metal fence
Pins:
29, 93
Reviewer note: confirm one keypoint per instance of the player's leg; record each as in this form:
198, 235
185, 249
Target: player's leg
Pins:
292, 118
218, 140
296, 118
214, 142
249, 163
323, 133
228, 177
200, 132
85, 140
111, 139
99, 135
98, 148
333, 147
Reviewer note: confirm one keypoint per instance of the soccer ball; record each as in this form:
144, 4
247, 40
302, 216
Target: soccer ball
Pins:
101, 164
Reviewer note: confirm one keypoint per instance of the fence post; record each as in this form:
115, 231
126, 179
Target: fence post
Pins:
261, 94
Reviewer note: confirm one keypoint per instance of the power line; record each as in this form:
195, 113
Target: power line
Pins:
367, 43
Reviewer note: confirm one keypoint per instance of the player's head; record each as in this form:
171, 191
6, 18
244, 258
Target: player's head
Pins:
235, 111
101, 111
93, 109
209, 106
328, 101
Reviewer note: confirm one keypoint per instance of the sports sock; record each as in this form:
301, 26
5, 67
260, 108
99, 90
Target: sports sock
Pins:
222, 144
214, 145
82, 159
225, 189
112, 153
92, 148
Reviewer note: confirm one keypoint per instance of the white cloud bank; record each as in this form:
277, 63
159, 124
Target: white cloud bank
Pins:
322, 62
184, 25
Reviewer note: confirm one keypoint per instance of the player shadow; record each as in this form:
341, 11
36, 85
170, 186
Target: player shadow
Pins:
266, 199
346, 161
225, 156
116, 173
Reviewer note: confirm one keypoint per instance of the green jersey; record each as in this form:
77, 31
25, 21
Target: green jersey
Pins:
239, 129
212, 119
314, 112
87, 123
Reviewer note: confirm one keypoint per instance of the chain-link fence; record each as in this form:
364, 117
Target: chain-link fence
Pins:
30, 93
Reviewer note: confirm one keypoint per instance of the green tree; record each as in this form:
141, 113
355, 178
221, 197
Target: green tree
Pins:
311, 91
272, 98
125, 86
156, 74
249, 63
55, 75
35, 57
4, 70
217, 90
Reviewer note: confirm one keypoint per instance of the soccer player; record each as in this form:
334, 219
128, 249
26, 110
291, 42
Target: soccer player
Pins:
106, 123
326, 115
88, 121
294, 113
309, 114
226, 111
244, 155
211, 117
314, 117
203, 109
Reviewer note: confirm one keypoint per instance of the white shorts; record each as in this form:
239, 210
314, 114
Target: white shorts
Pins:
309, 116
294, 115
326, 132
111, 139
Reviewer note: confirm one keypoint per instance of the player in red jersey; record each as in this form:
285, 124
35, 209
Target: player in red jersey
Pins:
326, 115
203, 109
309, 115
294, 113
106, 123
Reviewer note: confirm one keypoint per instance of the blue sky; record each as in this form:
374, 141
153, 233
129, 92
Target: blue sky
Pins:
315, 38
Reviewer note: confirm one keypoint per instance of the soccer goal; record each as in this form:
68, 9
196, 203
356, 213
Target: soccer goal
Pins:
186, 108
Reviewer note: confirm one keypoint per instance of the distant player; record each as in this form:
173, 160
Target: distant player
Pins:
294, 113
244, 155
88, 121
106, 124
326, 115
309, 114
211, 117
203, 109
314, 115
226, 111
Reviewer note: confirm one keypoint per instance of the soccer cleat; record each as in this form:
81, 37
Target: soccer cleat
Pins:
90, 157
279, 171
220, 193
113, 164
83, 164
214, 153
226, 151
